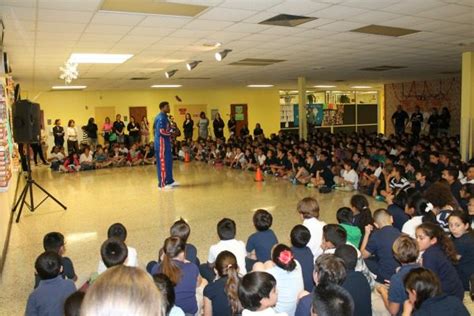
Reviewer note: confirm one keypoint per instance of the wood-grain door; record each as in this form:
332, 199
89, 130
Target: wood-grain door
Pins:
239, 113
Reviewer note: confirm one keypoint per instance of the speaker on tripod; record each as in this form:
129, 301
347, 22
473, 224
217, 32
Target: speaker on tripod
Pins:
26, 131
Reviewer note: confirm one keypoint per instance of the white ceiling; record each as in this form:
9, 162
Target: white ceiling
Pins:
41, 34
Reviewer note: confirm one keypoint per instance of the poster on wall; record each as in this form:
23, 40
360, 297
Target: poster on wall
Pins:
6, 141
314, 114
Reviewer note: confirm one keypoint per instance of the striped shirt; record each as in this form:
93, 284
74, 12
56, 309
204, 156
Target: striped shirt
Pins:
399, 185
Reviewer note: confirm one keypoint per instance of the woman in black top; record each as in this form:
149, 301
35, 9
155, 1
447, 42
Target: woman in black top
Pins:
433, 122
58, 132
444, 121
133, 131
258, 130
218, 125
91, 130
231, 124
188, 127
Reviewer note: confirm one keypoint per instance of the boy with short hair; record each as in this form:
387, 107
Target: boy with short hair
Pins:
355, 283
54, 241
349, 179
48, 298
422, 176
451, 175
226, 230
119, 231
257, 294
377, 250
260, 244
308, 208
406, 251
300, 237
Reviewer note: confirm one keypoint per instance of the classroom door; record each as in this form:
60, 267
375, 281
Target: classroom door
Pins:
101, 112
239, 112
180, 111
138, 112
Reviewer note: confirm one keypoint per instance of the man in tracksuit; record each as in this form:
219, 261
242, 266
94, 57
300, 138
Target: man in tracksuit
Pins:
164, 158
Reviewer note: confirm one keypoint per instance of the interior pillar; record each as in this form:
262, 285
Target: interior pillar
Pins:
302, 122
467, 106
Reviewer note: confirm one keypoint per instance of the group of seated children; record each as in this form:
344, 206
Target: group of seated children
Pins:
329, 269
117, 155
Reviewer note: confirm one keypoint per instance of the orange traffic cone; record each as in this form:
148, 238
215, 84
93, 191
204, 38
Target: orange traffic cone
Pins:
259, 175
187, 157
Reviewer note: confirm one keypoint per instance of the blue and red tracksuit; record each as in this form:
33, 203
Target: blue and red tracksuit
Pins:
163, 153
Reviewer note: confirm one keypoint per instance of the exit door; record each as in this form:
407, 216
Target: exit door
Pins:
138, 112
239, 113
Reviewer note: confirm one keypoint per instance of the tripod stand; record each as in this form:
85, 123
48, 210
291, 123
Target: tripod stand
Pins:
28, 188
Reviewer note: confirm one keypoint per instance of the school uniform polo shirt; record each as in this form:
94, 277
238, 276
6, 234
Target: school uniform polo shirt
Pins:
358, 287
48, 298
305, 257
442, 305
435, 260
396, 291
465, 248
215, 292
262, 242
380, 244
399, 216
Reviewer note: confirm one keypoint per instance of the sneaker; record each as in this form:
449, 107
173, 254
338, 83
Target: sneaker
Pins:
174, 184
167, 187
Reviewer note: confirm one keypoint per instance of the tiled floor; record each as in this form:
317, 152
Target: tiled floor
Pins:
97, 199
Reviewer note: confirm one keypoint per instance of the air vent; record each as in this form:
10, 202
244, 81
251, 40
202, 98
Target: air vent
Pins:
194, 78
256, 62
384, 30
139, 78
152, 7
288, 20
382, 68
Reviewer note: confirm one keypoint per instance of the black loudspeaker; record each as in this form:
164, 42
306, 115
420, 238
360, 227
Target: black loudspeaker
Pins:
26, 122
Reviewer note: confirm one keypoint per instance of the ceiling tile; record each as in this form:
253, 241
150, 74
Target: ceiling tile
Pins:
207, 25
151, 31
18, 13
373, 17
410, 7
77, 5
108, 29
250, 4
300, 7
370, 4
47, 15
341, 26
223, 14
443, 12
110, 18
337, 12
195, 34
247, 28
59, 27
165, 21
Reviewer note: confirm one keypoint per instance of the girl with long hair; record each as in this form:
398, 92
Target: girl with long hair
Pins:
182, 273
439, 255
221, 296
361, 211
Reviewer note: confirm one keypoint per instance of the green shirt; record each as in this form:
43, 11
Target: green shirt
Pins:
353, 234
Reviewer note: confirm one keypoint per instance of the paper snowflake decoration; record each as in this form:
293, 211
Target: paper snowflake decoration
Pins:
69, 72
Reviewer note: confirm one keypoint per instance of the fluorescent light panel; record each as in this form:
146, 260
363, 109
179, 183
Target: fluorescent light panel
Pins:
166, 86
324, 86
68, 87
80, 58
260, 85
361, 87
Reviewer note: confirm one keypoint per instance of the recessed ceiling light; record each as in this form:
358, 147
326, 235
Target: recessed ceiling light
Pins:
80, 58
190, 66
68, 87
170, 73
324, 86
260, 85
221, 55
166, 86
361, 87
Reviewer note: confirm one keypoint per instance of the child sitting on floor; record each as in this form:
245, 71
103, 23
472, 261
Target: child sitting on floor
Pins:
260, 244
348, 181
258, 294
345, 218
71, 164
48, 298
181, 229
300, 237
308, 209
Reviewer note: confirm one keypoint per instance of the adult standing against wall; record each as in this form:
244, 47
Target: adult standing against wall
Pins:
58, 133
444, 121
72, 137
232, 125
203, 126
145, 130
119, 129
416, 120
218, 126
258, 131
188, 127
399, 120
91, 130
163, 151
133, 131
433, 122
107, 129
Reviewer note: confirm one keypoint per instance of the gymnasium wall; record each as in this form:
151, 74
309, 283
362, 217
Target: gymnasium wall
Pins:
426, 94
263, 104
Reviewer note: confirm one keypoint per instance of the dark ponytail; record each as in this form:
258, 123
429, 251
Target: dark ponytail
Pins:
226, 266
172, 247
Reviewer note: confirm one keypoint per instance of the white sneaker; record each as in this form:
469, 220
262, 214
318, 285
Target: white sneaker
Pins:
174, 184
167, 187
